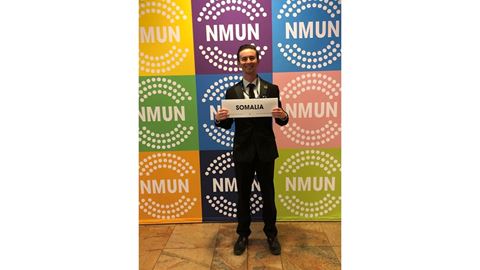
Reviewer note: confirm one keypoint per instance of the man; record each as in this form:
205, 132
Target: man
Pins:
254, 149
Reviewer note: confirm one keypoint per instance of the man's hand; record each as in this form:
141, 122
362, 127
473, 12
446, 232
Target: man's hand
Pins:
279, 113
222, 114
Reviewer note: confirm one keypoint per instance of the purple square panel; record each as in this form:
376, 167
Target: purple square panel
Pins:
220, 27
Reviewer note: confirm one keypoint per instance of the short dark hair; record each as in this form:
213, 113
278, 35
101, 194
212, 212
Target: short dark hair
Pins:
246, 46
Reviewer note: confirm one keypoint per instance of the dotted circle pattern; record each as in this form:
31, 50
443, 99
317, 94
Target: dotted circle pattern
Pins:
229, 209
215, 8
223, 60
169, 161
310, 59
216, 92
175, 91
312, 82
294, 8
163, 86
167, 211
163, 63
174, 57
166, 8
256, 203
308, 157
220, 135
220, 164
310, 209
222, 205
316, 137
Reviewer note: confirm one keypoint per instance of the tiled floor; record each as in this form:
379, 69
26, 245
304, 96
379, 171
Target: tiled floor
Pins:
305, 245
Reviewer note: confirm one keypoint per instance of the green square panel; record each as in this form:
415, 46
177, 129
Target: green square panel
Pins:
167, 113
308, 184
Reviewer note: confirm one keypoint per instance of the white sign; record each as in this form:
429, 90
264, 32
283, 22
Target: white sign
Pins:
257, 107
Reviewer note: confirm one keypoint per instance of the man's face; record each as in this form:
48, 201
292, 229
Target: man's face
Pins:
248, 61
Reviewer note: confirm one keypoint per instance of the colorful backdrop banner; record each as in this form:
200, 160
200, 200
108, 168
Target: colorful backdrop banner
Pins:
187, 62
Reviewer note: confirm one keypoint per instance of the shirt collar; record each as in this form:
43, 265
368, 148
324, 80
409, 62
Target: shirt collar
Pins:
255, 82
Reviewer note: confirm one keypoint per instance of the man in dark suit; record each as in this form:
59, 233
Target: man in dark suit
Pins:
254, 149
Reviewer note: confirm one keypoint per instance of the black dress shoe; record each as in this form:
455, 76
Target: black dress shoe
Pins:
240, 245
274, 246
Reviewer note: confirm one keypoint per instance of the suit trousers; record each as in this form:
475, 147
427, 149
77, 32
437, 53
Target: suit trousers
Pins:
244, 173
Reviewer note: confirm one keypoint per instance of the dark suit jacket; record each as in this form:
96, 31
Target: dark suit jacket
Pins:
253, 135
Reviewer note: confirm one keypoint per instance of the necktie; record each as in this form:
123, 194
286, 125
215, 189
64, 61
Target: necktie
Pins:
251, 94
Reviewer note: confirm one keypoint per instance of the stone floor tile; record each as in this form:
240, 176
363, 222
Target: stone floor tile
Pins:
185, 259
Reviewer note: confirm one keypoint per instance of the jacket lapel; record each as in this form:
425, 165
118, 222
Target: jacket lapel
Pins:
264, 90
239, 90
